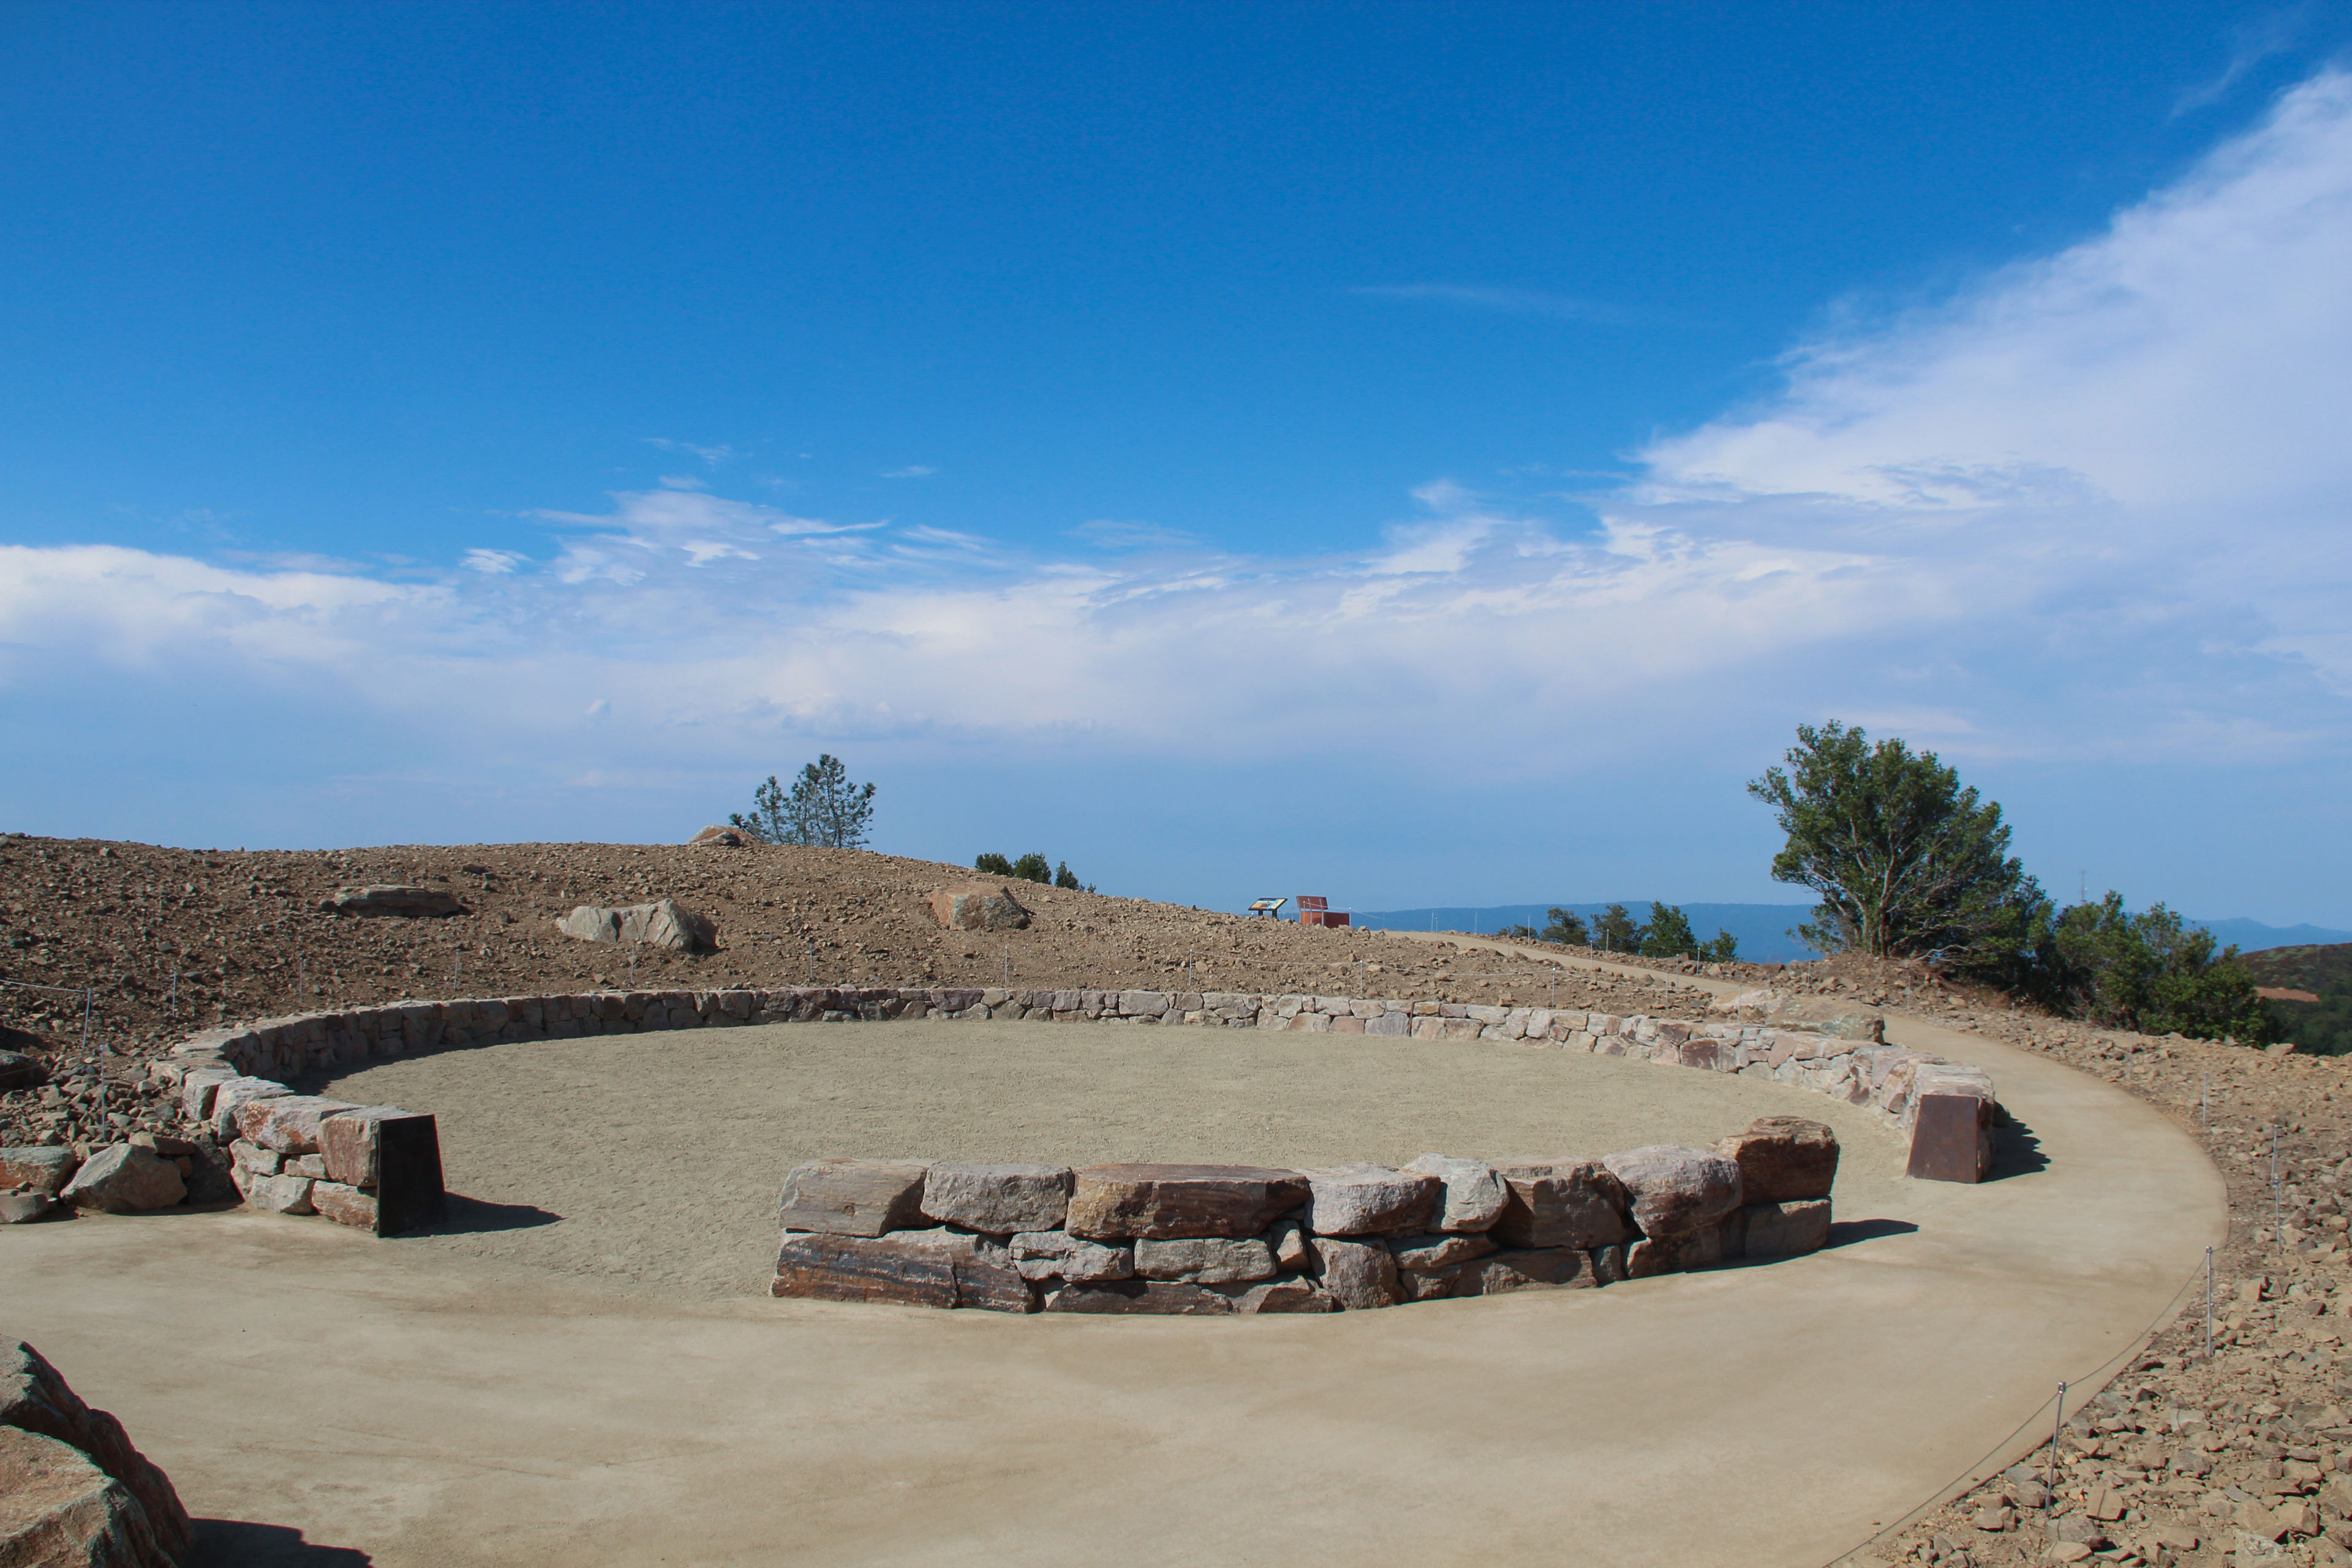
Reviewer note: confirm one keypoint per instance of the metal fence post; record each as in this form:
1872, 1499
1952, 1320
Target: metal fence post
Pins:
2208, 1303
2056, 1427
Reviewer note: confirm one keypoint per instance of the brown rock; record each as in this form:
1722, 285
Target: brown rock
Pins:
1431, 1285
1360, 1275
35, 1398
287, 1123
277, 1195
1058, 1255
723, 838
1783, 1159
45, 1169
1156, 1296
1206, 1260
916, 1269
125, 1179
1675, 1191
1546, 1268
349, 1140
1951, 1139
978, 906
1161, 1202
60, 1510
1426, 1254
231, 1093
1784, 1229
1289, 1239
1608, 1264
344, 1204
26, 1208
999, 1199
1559, 1203
1472, 1195
1287, 1295
392, 899
1369, 1200
854, 1197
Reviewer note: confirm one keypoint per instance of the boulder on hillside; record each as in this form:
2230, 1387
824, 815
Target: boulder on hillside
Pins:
392, 899
723, 838
978, 906
34, 1398
18, 1070
125, 1179
661, 924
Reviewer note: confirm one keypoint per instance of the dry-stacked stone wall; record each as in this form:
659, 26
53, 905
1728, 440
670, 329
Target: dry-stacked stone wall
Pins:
286, 1153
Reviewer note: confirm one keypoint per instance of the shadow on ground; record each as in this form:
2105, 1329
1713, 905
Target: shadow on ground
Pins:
469, 1215
1846, 1232
239, 1544
2016, 1151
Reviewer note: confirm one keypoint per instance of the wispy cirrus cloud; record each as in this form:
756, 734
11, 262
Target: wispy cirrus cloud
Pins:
2251, 43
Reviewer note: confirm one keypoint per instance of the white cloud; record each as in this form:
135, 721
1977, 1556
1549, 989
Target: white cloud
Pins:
912, 471
492, 563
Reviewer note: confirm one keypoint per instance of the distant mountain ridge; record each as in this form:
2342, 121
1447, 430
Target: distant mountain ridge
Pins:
1762, 928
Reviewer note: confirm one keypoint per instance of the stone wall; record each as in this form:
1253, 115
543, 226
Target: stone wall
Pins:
1945, 1112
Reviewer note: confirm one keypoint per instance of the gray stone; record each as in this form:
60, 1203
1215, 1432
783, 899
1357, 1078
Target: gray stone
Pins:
24, 1208
999, 1199
344, 1204
1675, 1191
1058, 1255
1607, 1263
35, 1398
1785, 1230
277, 1195
1284, 1295
125, 1179
1559, 1203
663, 923
392, 899
854, 1197
1472, 1197
1546, 1268
978, 906
1206, 1260
1425, 1254
1360, 1275
43, 1169
1146, 1297
1369, 1200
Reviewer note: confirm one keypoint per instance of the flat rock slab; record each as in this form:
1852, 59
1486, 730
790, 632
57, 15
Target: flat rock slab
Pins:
393, 899
1545, 1268
1560, 1203
287, 1123
1206, 1260
1057, 1255
999, 1199
938, 1269
1676, 1190
1290, 1295
1154, 1297
854, 1197
1427, 1254
1369, 1200
344, 1204
1783, 1159
1161, 1202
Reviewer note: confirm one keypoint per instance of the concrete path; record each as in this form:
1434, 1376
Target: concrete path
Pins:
448, 1413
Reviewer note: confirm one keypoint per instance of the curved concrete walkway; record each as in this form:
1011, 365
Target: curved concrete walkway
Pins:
297, 1376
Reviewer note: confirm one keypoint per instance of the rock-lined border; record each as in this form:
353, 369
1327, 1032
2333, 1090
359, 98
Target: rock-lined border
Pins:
284, 1161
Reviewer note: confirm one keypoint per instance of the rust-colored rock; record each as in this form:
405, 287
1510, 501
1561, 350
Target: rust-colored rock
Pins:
1782, 1158
916, 1269
977, 905
1783, 1230
854, 1197
1166, 1201
1951, 1139
350, 1140
1675, 1191
344, 1204
1559, 1203
999, 1199
1360, 1275
287, 1123
43, 1169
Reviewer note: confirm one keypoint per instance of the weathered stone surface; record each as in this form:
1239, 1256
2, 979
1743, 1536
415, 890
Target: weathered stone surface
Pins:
60, 1510
1559, 1203
1058, 1255
233, 1092
392, 899
1428, 1285
1783, 1159
1607, 1263
1289, 1239
1472, 1196
1369, 1200
1951, 1138
1360, 1275
1161, 1202
917, 1268
1287, 1295
977, 905
1152, 1297
43, 1169
349, 1143
999, 1199
721, 838
26, 1208
18, 1070
1206, 1260
1785, 1230
277, 1195
854, 1197
35, 1398
125, 1179
344, 1204
1545, 1268
287, 1123
1424, 1254
1675, 1191
664, 923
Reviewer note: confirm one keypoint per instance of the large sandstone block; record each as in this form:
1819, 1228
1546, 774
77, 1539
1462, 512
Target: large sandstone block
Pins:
229, 1094
350, 1141
999, 1199
43, 1170
35, 1398
1146, 1296
1472, 1196
1360, 1275
977, 905
1951, 1138
915, 1268
1058, 1255
1206, 1260
1783, 1229
1783, 1159
1675, 1191
1369, 1200
1559, 1203
1162, 1202
1546, 1268
854, 1197
124, 1179
287, 1123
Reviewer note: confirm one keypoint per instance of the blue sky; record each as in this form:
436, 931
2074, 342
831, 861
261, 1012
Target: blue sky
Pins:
1434, 455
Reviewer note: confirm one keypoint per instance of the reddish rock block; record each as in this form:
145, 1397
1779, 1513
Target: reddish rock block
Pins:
1149, 1297
1783, 1159
1160, 1202
287, 1123
1675, 1191
349, 1140
854, 1197
344, 1204
1560, 1203
1784, 1230
1546, 1268
1360, 1275
916, 1269
1951, 1140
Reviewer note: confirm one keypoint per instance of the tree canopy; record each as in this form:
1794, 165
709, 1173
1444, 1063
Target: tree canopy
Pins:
1906, 859
2155, 973
823, 808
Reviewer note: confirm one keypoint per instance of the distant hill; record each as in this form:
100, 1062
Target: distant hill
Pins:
2252, 936
2325, 970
